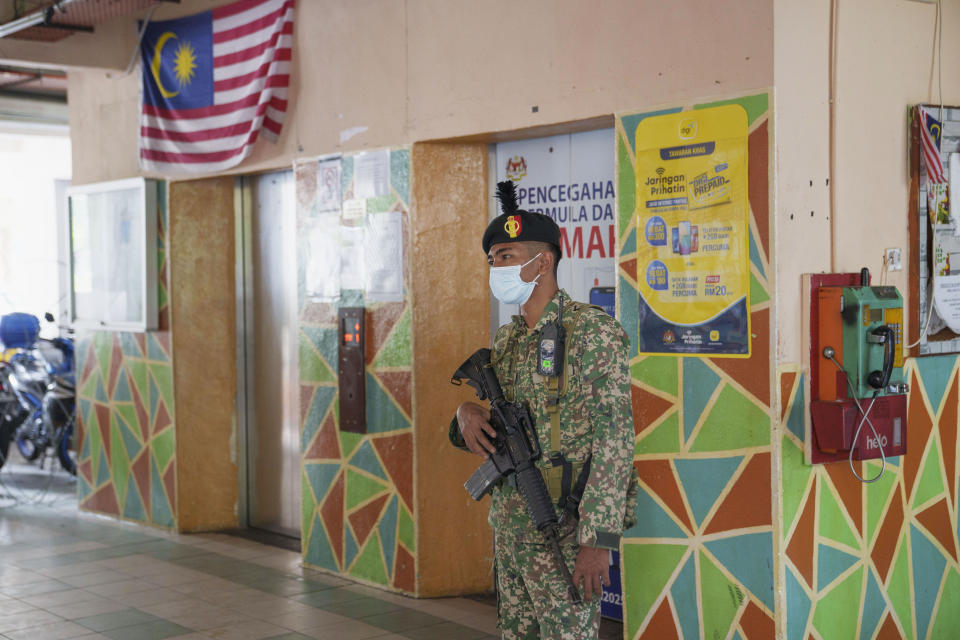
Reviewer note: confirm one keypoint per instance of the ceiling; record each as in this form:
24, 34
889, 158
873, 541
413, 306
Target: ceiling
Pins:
65, 17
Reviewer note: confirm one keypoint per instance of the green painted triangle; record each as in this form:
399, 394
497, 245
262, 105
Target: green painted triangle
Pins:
102, 345
734, 423
161, 373
369, 564
758, 293
348, 441
119, 462
659, 372
312, 366
948, 612
162, 446
930, 483
646, 569
396, 351
161, 255
724, 596
128, 417
832, 617
360, 488
161, 295
380, 204
133, 505
664, 438
755, 105
89, 389
878, 493
833, 521
138, 370
626, 185
308, 503
794, 475
899, 588
405, 529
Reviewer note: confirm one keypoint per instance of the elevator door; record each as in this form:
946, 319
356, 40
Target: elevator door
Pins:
271, 374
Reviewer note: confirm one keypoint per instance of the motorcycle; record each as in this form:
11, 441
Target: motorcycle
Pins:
39, 373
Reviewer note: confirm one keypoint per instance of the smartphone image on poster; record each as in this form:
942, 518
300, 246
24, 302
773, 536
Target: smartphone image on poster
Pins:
684, 227
605, 298
694, 239
675, 237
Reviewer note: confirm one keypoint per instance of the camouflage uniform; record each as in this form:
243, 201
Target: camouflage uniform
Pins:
596, 418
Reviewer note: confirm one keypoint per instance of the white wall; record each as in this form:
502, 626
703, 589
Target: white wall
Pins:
885, 62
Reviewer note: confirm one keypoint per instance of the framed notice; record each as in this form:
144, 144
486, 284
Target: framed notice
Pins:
693, 254
113, 255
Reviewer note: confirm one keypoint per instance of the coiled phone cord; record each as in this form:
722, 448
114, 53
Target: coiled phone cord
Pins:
865, 418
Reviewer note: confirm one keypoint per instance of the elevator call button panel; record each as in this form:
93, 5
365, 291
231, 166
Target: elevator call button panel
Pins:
351, 369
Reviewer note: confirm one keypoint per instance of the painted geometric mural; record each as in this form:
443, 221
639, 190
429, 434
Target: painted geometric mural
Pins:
699, 563
880, 560
358, 507
125, 415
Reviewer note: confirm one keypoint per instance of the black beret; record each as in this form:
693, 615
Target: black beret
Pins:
516, 225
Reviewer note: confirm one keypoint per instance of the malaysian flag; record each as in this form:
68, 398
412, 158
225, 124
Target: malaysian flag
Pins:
930, 130
212, 83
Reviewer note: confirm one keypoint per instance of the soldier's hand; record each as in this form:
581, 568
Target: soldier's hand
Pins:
474, 421
593, 567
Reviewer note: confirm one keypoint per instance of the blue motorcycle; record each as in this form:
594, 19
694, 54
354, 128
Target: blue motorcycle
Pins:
39, 375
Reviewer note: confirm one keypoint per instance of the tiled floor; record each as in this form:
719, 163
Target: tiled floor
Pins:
68, 574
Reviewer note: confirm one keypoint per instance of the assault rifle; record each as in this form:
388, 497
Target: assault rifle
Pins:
517, 449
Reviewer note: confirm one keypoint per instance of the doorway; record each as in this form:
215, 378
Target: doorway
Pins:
268, 398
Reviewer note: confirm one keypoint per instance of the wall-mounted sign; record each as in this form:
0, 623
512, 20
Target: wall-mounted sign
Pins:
693, 255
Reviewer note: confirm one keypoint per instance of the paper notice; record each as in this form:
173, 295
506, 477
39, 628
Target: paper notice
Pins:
946, 275
383, 248
371, 174
354, 209
323, 259
351, 257
328, 185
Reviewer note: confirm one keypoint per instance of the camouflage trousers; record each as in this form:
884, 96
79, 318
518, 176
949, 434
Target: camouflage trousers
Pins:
532, 601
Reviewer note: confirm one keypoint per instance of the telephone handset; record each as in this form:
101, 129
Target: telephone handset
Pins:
879, 379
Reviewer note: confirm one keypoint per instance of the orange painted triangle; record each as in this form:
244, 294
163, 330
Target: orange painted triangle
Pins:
753, 373
661, 625
647, 408
141, 474
306, 395
889, 631
88, 365
658, 476
786, 387
363, 520
920, 427
629, 267
332, 514
748, 504
103, 422
936, 520
163, 418
326, 445
378, 324
755, 624
116, 359
404, 574
86, 470
801, 546
396, 452
948, 435
103, 501
849, 489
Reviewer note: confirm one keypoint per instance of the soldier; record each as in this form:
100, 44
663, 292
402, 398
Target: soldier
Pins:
584, 425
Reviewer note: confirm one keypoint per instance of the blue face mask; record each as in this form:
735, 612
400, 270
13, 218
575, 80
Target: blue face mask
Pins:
507, 285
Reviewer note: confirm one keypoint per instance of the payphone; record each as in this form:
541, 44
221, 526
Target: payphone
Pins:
858, 394
351, 370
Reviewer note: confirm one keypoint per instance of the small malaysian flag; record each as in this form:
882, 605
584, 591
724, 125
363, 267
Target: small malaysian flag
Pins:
212, 83
930, 130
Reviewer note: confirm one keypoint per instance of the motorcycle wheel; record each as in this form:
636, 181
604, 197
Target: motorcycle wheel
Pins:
65, 450
7, 429
27, 447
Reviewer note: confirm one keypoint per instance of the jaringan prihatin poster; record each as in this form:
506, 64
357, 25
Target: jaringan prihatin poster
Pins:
693, 267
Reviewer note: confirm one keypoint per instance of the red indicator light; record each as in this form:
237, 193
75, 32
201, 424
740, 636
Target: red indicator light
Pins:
356, 327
